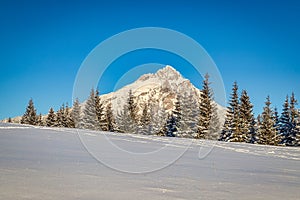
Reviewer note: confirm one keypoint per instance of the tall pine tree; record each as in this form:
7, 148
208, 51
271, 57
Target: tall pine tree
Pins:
247, 119
75, 113
99, 110
29, 116
205, 109
89, 118
110, 124
51, 118
231, 130
267, 130
127, 117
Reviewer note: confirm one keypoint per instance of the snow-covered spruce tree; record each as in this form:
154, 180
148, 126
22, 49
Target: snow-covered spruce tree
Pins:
126, 118
276, 118
267, 130
68, 120
231, 130
75, 114
29, 116
100, 111
247, 121
144, 122
40, 121
285, 125
110, 124
89, 118
172, 124
298, 130
290, 138
60, 116
189, 113
132, 106
215, 125
51, 118
205, 110
158, 117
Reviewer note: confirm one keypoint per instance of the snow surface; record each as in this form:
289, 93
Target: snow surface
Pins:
51, 163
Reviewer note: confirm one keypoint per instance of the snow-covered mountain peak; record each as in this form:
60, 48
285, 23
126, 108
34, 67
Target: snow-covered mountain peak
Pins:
162, 86
169, 73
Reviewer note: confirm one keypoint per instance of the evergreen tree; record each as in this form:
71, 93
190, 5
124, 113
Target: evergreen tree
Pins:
215, 125
267, 129
40, 121
247, 121
110, 121
89, 118
51, 118
126, 118
144, 125
158, 118
9, 120
68, 120
132, 106
171, 126
276, 118
285, 125
175, 119
60, 116
189, 112
100, 110
291, 134
231, 130
205, 110
29, 116
75, 114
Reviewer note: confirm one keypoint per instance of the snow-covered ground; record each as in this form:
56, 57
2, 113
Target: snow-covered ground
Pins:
45, 163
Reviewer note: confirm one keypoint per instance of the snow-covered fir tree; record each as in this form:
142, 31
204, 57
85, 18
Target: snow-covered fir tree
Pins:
285, 125
132, 106
215, 125
158, 117
29, 116
89, 118
231, 130
60, 117
189, 113
51, 118
75, 114
205, 110
40, 121
69, 122
291, 128
171, 126
126, 118
267, 130
144, 121
100, 110
110, 124
276, 118
247, 121
174, 120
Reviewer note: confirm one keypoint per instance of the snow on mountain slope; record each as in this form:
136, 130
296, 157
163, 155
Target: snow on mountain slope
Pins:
162, 86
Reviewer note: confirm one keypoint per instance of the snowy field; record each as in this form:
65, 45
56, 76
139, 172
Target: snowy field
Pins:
44, 163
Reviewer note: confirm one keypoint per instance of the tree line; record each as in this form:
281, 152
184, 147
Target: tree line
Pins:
190, 117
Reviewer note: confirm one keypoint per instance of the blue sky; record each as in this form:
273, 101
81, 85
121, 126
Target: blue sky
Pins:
43, 44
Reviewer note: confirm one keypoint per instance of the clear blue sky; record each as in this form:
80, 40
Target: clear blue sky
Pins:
43, 43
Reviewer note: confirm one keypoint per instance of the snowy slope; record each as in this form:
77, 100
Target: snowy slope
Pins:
46, 163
